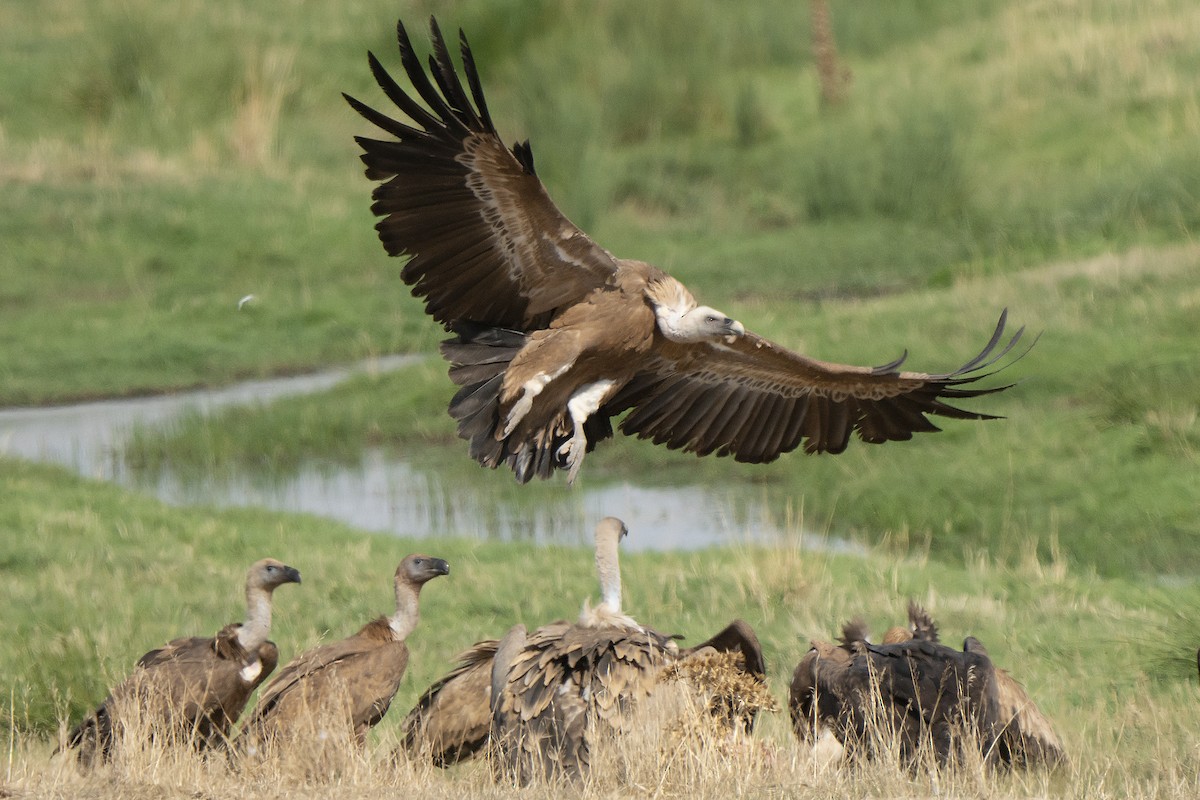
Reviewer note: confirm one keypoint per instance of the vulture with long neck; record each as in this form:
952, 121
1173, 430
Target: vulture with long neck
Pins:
555, 337
348, 684
192, 688
552, 689
918, 690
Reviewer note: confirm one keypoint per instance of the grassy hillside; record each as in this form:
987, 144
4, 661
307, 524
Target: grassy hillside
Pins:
161, 162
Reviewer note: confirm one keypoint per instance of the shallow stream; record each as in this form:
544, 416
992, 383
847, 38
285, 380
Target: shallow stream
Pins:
385, 492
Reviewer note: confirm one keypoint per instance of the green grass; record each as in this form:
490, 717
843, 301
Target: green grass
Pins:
101, 575
158, 163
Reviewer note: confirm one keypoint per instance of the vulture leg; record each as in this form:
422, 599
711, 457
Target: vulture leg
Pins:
582, 405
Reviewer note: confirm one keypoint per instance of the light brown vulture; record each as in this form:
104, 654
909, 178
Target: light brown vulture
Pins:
556, 337
451, 719
192, 688
551, 689
920, 691
344, 686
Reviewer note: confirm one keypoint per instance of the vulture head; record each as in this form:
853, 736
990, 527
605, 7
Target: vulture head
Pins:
416, 570
269, 574
700, 324
682, 321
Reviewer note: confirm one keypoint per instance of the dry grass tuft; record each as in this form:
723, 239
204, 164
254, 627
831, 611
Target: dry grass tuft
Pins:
268, 82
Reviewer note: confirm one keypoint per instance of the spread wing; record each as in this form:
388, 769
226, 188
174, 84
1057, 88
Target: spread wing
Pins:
755, 400
486, 243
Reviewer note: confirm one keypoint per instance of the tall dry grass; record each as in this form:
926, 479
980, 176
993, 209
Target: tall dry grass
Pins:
1136, 747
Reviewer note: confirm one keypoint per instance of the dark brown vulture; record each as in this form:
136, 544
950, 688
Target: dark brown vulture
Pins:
192, 689
552, 688
347, 685
921, 692
555, 336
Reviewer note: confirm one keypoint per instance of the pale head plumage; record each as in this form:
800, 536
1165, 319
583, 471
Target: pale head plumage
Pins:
412, 573
681, 320
268, 574
263, 578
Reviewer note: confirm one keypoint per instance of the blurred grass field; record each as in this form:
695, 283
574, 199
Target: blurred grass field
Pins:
159, 162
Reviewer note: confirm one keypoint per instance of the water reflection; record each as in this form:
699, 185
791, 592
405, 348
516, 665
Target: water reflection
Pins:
385, 492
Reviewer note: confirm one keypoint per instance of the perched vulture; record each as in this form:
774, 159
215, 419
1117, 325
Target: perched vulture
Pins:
348, 683
452, 718
192, 688
920, 691
552, 688
555, 336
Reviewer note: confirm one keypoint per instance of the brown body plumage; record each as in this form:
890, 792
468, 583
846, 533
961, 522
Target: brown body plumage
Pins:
451, 719
551, 689
556, 336
918, 691
194, 688
348, 684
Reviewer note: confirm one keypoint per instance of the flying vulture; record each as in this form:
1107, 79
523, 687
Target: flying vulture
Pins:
347, 684
192, 688
555, 337
550, 690
919, 691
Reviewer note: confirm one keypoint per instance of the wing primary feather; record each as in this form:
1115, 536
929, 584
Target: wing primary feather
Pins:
398, 129
442, 69
420, 80
473, 81
398, 96
891, 366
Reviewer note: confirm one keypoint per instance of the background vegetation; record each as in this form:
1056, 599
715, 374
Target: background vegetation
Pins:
158, 162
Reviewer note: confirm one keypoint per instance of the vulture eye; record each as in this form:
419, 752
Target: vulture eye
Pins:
271, 568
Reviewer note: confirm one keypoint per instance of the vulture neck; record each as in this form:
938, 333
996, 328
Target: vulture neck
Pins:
257, 627
608, 569
404, 621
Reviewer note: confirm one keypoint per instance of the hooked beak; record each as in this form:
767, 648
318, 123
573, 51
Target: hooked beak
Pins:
291, 575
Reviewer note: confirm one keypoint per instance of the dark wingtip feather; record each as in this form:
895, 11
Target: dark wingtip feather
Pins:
891, 366
473, 80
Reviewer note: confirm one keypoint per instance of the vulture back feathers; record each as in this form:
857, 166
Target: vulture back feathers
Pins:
554, 688
555, 337
915, 691
192, 688
348, 684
